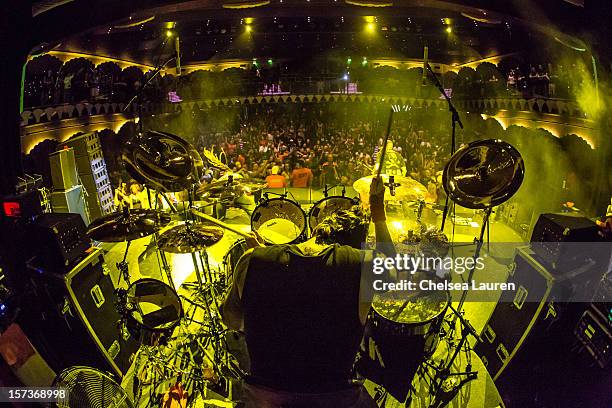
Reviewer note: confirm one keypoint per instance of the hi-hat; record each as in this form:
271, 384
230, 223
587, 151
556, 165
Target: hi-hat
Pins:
483, 174
127, 225
163, 161
408, 189
187, 238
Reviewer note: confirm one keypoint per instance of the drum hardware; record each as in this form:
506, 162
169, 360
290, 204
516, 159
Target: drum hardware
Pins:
125, 226
455, 119
392, 185
445, 384
404, 188
481, 175
329, 187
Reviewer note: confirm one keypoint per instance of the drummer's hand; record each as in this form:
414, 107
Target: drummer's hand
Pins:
377, 199
254, 240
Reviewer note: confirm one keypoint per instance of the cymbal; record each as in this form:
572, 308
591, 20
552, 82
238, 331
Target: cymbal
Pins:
163, 161
127, 225
218, 191
187, 238
408, 190
483, 174
252, 186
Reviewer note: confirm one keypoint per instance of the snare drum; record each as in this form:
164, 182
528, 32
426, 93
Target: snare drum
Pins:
153, 311
279, 221
401, 332
328, 206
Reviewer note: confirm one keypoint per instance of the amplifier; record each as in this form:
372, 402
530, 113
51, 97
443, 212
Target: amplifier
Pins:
74, 320
59, 241
63, 169
594, 331
70, 201
553, 239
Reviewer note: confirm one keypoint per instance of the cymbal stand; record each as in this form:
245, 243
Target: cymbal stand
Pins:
161, 256
215, 331
445, 384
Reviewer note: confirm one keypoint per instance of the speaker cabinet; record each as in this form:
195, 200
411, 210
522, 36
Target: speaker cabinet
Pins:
527, 313
74, 320
63, 169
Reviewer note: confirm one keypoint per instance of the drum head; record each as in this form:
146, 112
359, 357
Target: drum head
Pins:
410, 307
279, 221
326, 207
154, 305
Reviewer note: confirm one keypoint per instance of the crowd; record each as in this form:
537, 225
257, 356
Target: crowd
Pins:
311, 146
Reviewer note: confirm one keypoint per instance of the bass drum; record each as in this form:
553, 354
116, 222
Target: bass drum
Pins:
328, 206
279, 221
401, 332
154, 309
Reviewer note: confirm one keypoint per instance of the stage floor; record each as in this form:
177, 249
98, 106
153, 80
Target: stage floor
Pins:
145, 262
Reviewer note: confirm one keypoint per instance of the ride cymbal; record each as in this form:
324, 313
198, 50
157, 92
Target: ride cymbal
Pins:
127, 225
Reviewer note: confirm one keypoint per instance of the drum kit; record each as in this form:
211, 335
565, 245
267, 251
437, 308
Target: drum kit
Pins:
404, 331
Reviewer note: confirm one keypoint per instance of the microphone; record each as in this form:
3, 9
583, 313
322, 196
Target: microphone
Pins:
392, 184
177, 48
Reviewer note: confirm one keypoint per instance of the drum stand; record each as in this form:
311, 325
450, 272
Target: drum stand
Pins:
445, 384
206, 299
123, 267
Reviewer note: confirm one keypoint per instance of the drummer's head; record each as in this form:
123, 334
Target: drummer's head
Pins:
345, 227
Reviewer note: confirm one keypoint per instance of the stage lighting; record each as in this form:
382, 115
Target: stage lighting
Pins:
449, 29
248, 28
169, 33
370, 27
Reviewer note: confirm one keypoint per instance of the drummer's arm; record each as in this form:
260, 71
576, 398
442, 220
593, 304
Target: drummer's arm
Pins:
231, 309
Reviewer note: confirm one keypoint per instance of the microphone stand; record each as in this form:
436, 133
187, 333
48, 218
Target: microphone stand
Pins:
454, 121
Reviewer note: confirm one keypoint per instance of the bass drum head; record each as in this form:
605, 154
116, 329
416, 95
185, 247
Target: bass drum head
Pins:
279, 221
326, 207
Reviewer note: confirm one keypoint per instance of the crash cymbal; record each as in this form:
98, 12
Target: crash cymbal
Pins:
483, 174
163, 161
187, 238
408, 189
127, 225
252, 185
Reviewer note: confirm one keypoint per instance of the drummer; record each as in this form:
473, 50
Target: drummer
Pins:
303, 308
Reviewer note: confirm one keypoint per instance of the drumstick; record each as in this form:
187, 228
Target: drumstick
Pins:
220, 223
